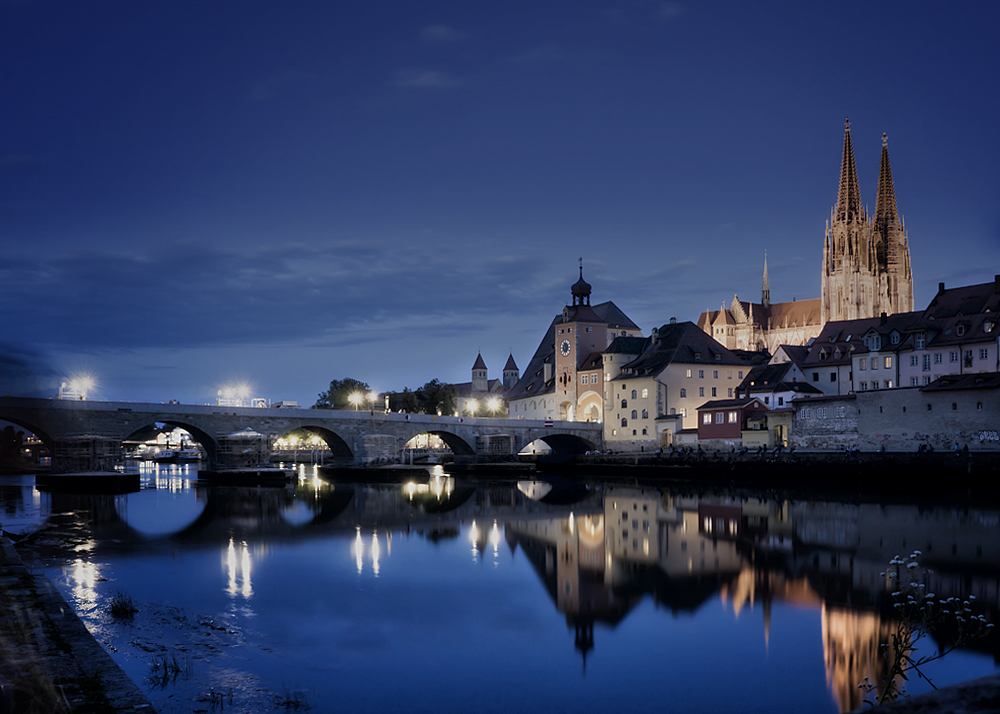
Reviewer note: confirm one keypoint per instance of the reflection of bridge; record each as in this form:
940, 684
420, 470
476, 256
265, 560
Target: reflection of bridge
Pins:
104, 426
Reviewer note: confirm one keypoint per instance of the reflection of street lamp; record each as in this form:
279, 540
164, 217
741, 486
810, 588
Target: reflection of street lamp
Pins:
355, 399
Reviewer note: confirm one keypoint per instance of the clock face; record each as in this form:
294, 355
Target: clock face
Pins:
564, 347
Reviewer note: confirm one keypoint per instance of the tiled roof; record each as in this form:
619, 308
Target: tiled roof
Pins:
479, 364
982, 380
678, 343
730, 403
967, 300
511, 365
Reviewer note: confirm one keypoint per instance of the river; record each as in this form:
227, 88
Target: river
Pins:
501, 596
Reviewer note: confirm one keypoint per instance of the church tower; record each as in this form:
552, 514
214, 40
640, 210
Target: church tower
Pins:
480, 383
510, 373
866, 261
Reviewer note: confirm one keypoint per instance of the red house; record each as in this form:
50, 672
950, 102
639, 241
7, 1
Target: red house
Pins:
726, 418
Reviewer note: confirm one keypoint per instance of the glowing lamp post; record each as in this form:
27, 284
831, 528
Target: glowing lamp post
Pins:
76, 388
472, 406
493, 404
356, 398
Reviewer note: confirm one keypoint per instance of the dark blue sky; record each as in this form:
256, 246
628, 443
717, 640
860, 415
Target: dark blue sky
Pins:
196, 193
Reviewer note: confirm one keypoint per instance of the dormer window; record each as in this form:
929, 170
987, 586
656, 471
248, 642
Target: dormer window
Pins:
836, 353
718, 358
895, 338
987, 327
697, 356
960, 330
920, 340
875, 342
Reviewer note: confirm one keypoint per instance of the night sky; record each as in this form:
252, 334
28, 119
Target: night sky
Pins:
193, 193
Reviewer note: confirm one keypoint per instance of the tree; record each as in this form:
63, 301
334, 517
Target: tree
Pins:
338, 396
435, 397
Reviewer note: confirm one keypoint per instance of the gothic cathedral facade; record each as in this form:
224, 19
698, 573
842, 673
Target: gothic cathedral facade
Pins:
866, 259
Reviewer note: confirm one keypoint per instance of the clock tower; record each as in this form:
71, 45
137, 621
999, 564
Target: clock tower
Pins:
579, 334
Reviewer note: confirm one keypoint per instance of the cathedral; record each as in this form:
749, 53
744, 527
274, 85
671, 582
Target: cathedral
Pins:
866, 271
866, 259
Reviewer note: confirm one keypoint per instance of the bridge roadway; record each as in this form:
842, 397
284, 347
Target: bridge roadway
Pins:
82, 434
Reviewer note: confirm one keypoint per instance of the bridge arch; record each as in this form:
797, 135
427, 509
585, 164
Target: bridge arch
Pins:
339, 448
458, 445
207, 441
563, 444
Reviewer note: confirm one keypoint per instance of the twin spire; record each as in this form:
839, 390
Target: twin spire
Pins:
849, 207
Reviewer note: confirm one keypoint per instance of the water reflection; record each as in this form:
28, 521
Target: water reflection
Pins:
613, 563
238, 571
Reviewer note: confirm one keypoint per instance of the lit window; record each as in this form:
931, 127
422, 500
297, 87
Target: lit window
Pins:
706, 418
645, 393
888, 362
863, 364
689, 374
732, 417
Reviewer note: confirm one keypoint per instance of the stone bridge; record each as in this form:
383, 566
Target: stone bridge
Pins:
88, 435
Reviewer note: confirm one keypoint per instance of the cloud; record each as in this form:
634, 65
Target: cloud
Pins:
442, 34
425, 79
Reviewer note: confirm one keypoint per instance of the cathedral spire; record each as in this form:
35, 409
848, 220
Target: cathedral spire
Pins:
885, 203
765, 292
849, 195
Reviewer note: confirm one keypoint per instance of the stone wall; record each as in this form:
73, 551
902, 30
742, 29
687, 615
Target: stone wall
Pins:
905, 419
825, 423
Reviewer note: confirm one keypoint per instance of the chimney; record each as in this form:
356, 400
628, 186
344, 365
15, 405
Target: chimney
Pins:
883, 319
654, 336
996, 284
673, 320
940, 288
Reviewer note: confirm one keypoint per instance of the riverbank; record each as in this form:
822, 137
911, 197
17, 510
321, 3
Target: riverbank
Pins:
49, 662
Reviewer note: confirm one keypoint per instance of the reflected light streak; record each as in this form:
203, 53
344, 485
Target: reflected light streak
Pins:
359, 550
474, 537
84, 577
238, 571
495, 537
376, 551
571, 522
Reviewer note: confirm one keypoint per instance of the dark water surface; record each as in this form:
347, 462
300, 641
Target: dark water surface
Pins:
449, 596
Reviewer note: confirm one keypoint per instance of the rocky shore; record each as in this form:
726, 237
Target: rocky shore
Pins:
49, 662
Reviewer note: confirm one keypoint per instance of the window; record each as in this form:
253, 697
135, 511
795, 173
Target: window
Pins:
874, 362
740, 374
684, 393
927, 380
815, 376
633, 432
697, 356
888, 362
920, 340
718, 358
701, 391
645, 393
863, 364
888, 384
875, 343
983, 353
684, 412
821, 412
701, 374
894, 338
590, 329
730, 392
720, 417
937, 358
706, 418
987, 327
967, 358
689, 374
585, 379
624, 421
954, 407
644, 432
732, 417
634, 394
781, 401
713, 392
833, 376
959, 330
914, 381
635, 414
624, 403
729, 374
715, 374
927, 363
645, 414
953, 356
914, 360
863, 386
804, 413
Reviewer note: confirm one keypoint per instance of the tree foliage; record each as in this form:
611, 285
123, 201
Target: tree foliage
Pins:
338, 396
435, 397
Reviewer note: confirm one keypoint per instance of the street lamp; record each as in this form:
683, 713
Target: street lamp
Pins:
493, 404
372, 396
355, 399
472, 406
